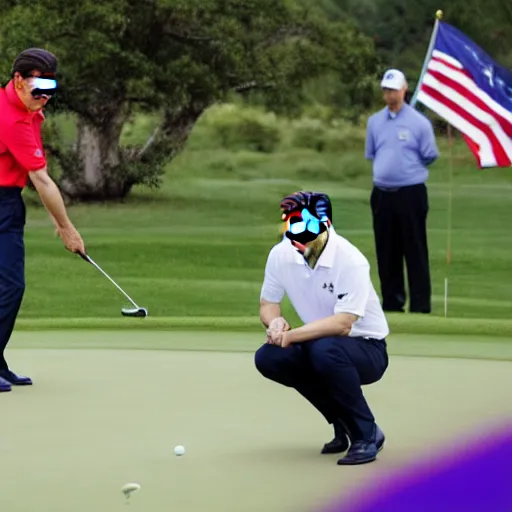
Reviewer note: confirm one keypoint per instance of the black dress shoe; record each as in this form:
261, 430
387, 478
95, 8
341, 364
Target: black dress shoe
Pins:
4, 386
340, 443
15, 380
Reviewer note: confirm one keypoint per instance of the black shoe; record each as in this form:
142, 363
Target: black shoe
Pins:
4, 386
340, 443
361, 452
15, 380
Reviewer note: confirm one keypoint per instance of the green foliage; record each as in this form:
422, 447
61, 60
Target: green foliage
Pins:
177, 58
235, 127
401, 30
337, 135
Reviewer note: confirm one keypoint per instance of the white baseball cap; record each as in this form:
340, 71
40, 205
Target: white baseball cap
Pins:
393, 79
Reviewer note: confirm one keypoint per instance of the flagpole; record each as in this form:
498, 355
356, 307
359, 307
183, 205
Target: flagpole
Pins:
449, 226
439, 15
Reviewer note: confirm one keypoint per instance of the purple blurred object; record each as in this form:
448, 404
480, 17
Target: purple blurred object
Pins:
473, 476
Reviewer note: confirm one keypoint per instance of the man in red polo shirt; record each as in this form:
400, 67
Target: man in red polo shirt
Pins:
22, 158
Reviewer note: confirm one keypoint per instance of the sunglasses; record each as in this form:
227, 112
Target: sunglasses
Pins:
44, 87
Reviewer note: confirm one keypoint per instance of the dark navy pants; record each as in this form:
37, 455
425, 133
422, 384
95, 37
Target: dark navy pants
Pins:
329, 373
400, 232
12, 263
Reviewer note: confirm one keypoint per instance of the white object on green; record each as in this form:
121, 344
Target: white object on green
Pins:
129, 488
179, 450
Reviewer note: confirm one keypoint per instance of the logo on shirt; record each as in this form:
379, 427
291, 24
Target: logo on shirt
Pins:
38, 153
341, 295
329, 287
403, 134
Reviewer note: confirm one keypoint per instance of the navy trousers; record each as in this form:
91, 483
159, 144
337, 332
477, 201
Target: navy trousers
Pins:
329, 373
400, 233
12, 263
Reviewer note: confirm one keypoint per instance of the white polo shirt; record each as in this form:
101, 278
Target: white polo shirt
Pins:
339, 283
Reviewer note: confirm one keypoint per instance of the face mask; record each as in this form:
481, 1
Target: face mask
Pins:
43, 87
303, 227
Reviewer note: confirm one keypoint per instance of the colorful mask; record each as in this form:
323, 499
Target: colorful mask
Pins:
307, 218
306, 215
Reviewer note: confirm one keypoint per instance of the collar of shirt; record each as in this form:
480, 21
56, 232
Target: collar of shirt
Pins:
326, 258
394, 115
16, 102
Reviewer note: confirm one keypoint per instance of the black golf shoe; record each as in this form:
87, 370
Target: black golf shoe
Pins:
15, 380
5, 386
363, 452
341, 441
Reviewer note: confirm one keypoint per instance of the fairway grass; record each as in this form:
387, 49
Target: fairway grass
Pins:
96, 419
193, 252
452, 346
398, 323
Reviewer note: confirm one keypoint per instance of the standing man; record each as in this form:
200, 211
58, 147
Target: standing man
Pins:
341, 345
21, 158
401, 143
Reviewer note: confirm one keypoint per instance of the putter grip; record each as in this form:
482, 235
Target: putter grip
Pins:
83, 256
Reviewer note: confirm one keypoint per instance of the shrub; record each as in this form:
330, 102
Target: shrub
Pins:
309, 133
238, 128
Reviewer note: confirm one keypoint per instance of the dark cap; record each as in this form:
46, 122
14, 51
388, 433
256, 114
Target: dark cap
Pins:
35, 59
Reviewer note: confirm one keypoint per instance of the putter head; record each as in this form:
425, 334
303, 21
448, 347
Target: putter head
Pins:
141, 312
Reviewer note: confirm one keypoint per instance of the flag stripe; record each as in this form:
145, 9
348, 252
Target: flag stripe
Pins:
450, 66
470, 85
447, 58
452, 88
470, 116
485, 155
476, 112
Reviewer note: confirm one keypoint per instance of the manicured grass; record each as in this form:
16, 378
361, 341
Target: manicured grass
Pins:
97, 419
186, 338
196, 248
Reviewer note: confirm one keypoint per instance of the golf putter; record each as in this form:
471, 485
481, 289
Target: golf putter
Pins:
136, 311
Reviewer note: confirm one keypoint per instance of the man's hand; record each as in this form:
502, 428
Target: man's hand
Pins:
276, 327
71, 239
281, 339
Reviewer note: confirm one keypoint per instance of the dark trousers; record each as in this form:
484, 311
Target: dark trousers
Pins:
400, 230
12, 263
329, 373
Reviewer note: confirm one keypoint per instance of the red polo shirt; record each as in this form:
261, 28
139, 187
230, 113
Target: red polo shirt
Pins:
21, 146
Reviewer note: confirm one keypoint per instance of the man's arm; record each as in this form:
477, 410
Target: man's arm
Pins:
51, 198
369, 151
269, 311
272, 293
339, 324
428, 146
355, 286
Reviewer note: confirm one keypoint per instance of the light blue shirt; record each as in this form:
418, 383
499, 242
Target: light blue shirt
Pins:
401, 146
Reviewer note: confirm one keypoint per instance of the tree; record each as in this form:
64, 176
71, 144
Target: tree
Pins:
174, 57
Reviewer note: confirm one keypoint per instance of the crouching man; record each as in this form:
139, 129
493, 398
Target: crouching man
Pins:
341, 345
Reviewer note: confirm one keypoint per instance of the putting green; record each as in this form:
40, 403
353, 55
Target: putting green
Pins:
96, 419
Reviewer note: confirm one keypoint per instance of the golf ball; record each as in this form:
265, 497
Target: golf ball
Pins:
179, 450
130, 487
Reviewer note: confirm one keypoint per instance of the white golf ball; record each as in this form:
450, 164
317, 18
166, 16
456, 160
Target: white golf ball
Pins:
179, 450
130, 487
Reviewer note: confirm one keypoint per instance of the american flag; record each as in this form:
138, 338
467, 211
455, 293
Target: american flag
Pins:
464, 86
